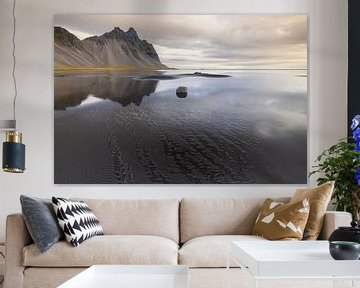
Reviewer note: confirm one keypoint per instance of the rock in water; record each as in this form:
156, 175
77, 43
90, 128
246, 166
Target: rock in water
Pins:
181, 92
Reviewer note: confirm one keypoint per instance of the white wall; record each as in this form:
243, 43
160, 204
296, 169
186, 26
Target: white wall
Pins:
327, 100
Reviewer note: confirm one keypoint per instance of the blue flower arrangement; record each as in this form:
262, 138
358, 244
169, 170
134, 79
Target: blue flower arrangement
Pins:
341, 163
356, 134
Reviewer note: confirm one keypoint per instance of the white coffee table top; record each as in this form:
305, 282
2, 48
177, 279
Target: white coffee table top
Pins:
131, 276
291, 259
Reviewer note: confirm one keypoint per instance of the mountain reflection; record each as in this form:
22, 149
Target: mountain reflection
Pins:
70, 91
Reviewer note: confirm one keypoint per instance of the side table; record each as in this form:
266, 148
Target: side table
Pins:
293, 263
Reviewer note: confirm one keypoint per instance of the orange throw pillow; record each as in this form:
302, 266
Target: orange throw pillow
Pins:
279, 221
319, 198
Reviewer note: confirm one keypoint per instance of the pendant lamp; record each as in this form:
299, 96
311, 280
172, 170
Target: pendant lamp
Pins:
13, 160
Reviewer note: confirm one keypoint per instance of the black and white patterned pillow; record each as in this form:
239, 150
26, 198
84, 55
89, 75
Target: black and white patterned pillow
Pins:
77, 220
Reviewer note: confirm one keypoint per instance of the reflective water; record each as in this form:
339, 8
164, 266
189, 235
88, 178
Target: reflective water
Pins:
132, 128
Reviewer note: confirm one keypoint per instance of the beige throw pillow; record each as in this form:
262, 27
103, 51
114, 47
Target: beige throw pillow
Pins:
319, 198
279, 221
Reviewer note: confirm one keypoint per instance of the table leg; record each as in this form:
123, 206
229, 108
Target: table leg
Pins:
255, 283
228, 270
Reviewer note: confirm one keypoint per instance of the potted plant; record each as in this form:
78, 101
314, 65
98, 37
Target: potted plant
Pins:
341, 163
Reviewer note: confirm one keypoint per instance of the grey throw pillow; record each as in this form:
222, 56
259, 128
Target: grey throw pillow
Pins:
41, 221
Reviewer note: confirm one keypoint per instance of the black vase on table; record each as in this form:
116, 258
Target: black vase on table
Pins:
344, 250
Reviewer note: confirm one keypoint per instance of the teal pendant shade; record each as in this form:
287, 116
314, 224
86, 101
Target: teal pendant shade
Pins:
13, 153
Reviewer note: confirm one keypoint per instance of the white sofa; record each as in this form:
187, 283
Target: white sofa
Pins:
194, 232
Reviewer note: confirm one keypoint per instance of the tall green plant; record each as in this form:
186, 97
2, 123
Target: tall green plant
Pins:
341, 163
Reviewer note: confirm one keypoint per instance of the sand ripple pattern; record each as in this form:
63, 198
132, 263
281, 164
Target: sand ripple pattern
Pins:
139, 145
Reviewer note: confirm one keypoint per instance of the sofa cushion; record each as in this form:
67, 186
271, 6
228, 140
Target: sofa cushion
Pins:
158, 217
107, 249
35, 277
211, 251
200, 217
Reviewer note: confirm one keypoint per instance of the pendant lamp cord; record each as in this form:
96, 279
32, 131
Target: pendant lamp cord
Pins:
14, 61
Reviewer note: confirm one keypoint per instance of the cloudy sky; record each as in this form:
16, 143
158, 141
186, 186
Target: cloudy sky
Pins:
209, 41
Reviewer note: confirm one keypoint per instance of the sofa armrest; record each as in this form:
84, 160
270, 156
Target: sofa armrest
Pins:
17, 237
333, 220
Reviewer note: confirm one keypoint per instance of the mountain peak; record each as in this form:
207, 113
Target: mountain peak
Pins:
117, 29
64, 37
116, 33
131, 36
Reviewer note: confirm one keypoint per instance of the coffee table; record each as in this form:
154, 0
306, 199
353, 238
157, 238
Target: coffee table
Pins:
292, 260
131, 276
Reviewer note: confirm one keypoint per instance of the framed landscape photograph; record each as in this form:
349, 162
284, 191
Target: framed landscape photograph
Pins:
180, 99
